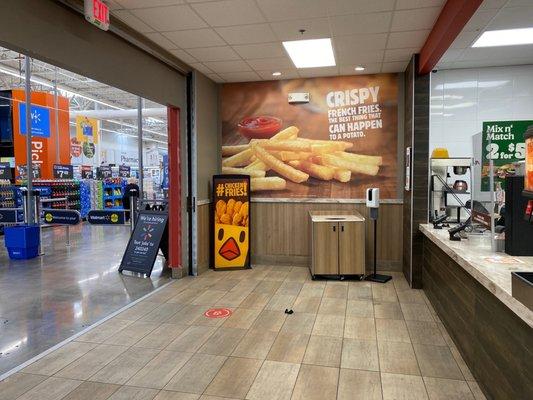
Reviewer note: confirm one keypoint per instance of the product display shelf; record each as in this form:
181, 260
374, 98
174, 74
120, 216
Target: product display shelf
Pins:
60, 188
10, 197
112, 193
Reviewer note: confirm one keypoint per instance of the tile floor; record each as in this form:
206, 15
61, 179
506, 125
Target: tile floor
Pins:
345, 340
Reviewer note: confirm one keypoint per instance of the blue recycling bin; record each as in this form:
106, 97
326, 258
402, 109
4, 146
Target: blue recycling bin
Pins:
22, 242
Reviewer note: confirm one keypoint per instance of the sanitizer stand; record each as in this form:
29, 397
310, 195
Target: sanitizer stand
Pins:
372, 202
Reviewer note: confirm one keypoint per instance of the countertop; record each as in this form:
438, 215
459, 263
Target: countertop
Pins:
488, 268
336, 218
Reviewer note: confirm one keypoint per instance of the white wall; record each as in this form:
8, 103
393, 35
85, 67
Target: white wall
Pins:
461, 99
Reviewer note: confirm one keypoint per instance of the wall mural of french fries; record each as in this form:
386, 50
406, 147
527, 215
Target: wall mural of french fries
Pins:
341, 142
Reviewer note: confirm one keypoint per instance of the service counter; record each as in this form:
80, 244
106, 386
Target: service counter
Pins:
470, 288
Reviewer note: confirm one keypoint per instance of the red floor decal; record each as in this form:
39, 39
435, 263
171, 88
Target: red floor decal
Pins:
218, 313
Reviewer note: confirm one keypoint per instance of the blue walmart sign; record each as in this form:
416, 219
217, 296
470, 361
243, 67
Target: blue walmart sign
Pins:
40, 120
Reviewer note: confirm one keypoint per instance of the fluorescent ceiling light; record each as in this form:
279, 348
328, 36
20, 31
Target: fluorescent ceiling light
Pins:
505, 37
359, 68
310, 53
277, 73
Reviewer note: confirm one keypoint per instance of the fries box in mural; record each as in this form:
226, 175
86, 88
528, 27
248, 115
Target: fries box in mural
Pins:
232, 221
503, 142
342, 141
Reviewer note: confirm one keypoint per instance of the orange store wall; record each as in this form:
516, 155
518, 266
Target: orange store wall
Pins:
43, 149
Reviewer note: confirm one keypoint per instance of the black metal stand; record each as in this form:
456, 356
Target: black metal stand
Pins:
375, 277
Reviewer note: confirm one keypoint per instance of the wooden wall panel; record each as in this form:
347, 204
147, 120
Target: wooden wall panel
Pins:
204, 237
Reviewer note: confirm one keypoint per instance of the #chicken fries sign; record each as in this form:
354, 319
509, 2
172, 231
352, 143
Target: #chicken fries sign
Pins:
232, 221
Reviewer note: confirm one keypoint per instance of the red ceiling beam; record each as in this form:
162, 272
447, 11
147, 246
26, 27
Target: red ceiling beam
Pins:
452, 19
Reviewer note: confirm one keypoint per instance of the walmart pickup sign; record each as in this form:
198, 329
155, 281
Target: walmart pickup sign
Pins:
40, 120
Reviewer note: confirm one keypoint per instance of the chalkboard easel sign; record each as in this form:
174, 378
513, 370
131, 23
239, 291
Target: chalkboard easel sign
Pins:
144, 242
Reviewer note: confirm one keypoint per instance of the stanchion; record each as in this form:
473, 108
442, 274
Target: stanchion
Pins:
133, 194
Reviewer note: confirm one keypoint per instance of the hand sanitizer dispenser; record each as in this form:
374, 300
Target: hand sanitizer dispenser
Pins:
372, 202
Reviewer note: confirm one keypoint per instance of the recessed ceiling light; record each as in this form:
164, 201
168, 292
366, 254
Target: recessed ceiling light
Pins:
277, 73
359, 68
505, 37
310, 53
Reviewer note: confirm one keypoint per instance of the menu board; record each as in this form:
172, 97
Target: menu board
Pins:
143, 245
341, 140
231, 221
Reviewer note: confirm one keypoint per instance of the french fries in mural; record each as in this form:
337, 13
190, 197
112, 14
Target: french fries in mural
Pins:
288, 157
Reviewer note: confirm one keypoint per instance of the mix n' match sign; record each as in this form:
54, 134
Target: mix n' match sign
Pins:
232, 221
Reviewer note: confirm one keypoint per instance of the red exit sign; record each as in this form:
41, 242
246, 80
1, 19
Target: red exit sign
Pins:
97, 13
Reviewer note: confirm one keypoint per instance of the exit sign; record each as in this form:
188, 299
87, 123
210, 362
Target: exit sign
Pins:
97, 13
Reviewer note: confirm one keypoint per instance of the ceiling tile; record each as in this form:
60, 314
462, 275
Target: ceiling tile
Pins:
341, 7
399, 40
422, 18
497, 53
221, 53
404, 4
132, 21
285, 74
246, 34
195, 38
114, 5
361, 23
451, 55
263, 64
129, 4
317, 72
229, 12
215, 78
464, 40
360, 57
160, 40
515, 17
372, 68
316, 28
518, 3
351, 43
170, 18
399, 54
479, 20
202, 68
184, 56
227, 66
249, 76
282, 10
259, 50
492, 4
398, 66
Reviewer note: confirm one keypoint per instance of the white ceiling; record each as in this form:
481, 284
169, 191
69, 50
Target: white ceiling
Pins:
240, 40
491, 15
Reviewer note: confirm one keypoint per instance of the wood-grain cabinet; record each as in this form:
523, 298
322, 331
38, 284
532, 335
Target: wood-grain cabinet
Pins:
337, 244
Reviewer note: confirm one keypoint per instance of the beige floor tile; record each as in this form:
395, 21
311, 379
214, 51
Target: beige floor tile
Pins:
242, 318
162, 313
122, 368
279, 276
411, 296
447, 389
275, 381
392, 330
476, 390
160, 370
18, 384
52, 388
255, 344
132, 393
223, 341
384, 293
132, 333
324, 350
235, 378
462, 364
256, 300
360, 328
416, 312
299, 323
187, 315
280, 302
360, 308
269, 320
209, 297
360, 291
203, 320
316, 383
233, 298
191, 339
447, 338
332, 306
60, 358
289, 288
306, 305
397, 358
288, 347
437, 362
90, 363
92, 391
138, 310
184, 297
360, 354
168, 395
359, 385
225, 284
104, 330
337, 290
400, 284
329, 325
425, 332
268, 287
387, 310
196, 374
160, 337
312, 289
206, 397
403, 387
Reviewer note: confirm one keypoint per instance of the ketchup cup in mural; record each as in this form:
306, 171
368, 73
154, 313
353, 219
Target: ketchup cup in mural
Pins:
262, 127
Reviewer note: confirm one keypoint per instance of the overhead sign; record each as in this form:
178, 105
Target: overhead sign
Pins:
22, 171
86, 129
11, 216
124, 171
144, 242
104, 172
40, 120
5, 170
106, 217
87, 172
232, 221
97, 13
63, 171
61, 217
